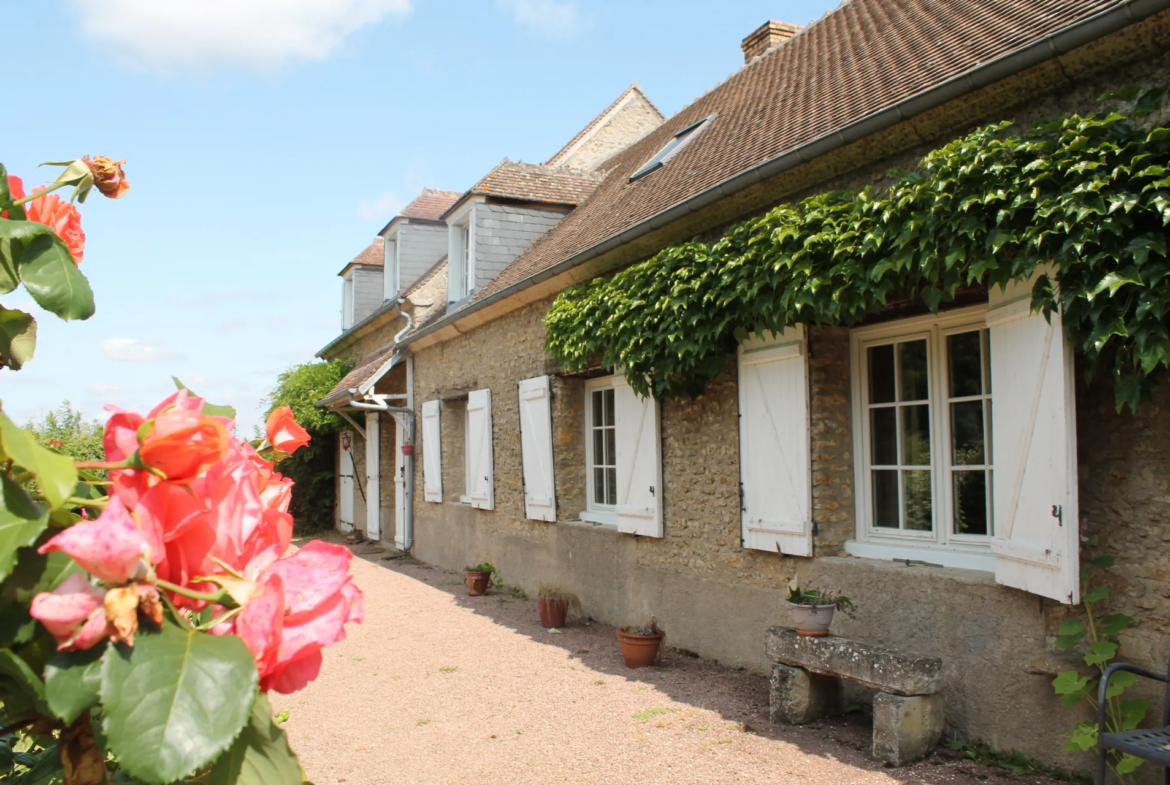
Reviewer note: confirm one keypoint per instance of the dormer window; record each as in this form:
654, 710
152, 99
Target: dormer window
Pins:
461, 256
672, 147
393, 268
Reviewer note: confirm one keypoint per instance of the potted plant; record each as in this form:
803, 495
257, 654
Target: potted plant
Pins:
641, 645
813, 609
554, 603
480, 578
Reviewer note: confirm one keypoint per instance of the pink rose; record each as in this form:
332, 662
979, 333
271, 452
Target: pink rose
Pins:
111, 548
73, 613
283, 432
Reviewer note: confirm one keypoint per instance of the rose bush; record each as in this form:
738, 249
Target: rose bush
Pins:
144, 616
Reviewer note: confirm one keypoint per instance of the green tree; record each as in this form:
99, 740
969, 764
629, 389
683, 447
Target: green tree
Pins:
65, 430
311, 467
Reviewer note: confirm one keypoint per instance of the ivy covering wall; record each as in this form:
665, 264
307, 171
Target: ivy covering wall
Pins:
1088, 193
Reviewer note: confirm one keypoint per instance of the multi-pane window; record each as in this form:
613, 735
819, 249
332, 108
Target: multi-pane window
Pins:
926, 407
601, 448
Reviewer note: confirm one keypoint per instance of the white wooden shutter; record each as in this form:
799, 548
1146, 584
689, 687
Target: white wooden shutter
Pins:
774, 465
481, 481
639, 462
1034, 448
432, 452
537, 450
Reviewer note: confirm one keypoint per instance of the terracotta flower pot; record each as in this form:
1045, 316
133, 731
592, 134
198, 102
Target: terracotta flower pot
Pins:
408, 450
477, 582
639, 650
552, 611
812, 620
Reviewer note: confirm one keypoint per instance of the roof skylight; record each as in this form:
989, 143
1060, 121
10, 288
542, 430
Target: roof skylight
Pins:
671, 148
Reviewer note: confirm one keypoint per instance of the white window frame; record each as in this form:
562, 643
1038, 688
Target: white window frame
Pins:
348, 300
605, 514
392, 265
939, 546
461, 253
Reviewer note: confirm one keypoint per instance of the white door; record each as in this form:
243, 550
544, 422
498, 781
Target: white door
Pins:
373, 495
399, 488
774, 444
345, 491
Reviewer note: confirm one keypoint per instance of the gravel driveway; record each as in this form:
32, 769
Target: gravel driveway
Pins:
437, 687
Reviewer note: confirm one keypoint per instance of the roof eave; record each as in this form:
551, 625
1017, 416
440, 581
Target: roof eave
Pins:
1055, 44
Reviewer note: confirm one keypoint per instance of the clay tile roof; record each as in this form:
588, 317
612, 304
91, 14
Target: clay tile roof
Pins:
536, 183
360, 373
430, 204
862, 57
373, 256
633, 90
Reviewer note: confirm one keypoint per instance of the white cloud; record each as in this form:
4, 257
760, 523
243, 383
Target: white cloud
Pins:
171, 35
131, 350
101, 388
381, 209
558, 18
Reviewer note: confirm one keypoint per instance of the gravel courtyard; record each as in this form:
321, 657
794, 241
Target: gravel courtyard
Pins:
437, 687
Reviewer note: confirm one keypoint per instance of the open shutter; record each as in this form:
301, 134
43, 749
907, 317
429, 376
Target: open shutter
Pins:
639, 462
774, 444
480, 479
536, 447
432, 452
1034, 449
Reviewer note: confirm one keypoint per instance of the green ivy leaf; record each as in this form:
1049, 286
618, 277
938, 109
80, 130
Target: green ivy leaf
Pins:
1128, 764
1133, 711
18, 337
55, 474
51, 277
176, 700
73, 680
260, 756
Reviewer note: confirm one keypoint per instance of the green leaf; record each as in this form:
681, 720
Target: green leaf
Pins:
176, 700
1113, 624
1096, 594
34, 574
28, 684
1119, 683
1133, 711
55, 474
22, 231
21, 522
18, 337
45, 768
1128, 764
1105, 562
260, 756
73, 680
1070, 683
1101, 652
1083, 737
51, 277
208, 408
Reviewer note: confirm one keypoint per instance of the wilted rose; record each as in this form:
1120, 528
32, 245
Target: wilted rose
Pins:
108, 176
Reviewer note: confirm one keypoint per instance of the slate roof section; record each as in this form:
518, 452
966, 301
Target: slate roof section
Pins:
430, 204
861, 58
634, 90
535, 183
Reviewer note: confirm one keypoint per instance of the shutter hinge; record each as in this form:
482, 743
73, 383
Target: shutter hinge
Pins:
816, 528
742, 506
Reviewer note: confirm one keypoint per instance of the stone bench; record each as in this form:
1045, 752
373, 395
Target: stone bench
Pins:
807, 685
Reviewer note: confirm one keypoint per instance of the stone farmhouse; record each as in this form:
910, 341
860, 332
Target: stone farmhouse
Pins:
862, 458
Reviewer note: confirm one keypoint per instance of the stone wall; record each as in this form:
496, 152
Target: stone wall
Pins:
633, 121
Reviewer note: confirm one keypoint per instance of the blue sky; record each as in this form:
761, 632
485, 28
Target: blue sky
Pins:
269, 140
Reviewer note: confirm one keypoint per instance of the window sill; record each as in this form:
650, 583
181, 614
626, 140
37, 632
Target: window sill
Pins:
964, 560
602, 518
465, 500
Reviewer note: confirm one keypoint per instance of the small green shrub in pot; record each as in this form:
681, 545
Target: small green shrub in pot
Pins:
813, 608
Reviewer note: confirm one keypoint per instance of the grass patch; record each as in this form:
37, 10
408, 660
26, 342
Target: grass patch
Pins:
423, 721
281, 716
646, 714
1015, 763
448, 669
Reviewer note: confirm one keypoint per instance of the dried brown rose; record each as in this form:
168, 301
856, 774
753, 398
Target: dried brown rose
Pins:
108, 176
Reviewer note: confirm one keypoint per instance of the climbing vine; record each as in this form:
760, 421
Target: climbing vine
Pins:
1090, 194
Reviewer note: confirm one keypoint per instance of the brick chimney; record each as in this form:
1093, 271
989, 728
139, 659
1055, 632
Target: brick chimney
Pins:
767, 37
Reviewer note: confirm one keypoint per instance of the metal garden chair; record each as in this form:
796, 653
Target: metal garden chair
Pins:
1151, 744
